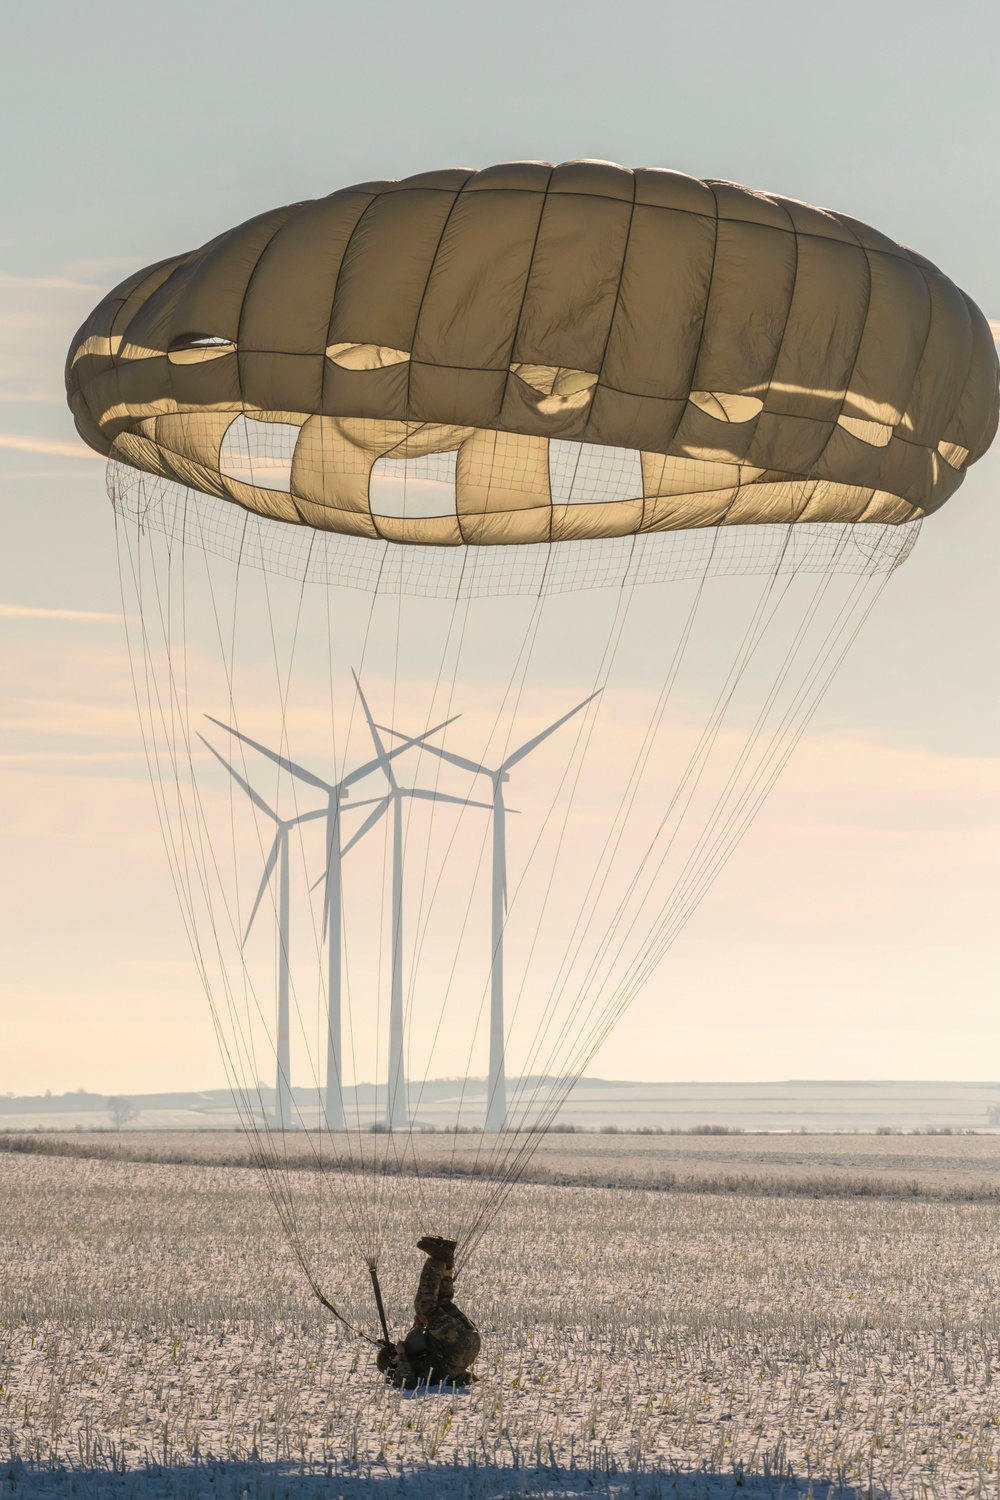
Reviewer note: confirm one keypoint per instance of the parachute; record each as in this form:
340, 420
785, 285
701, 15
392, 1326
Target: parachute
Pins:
488, 540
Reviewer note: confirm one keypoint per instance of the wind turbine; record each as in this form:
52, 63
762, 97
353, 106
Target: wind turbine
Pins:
278, 856
397, 1114
336, 793
496, 1099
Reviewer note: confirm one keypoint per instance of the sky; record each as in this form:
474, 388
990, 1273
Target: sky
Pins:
132, 132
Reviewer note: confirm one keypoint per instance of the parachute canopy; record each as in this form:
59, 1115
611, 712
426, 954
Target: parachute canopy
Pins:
533, 353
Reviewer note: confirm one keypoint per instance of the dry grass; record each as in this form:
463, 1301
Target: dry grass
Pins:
150, 1316
949, 1168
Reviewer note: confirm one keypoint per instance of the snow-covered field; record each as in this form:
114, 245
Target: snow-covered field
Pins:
156, 1338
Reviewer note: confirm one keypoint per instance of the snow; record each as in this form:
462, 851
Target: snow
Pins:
157, 1339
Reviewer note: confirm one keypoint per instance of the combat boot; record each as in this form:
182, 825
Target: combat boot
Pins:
438, 1248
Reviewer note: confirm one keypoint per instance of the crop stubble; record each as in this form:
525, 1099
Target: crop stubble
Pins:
150, 1313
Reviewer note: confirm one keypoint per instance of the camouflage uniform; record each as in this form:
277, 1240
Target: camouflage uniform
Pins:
452, 1338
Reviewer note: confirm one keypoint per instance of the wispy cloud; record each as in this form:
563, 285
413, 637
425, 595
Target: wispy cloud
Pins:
34, 398
51, 446
26, 475
32, 612
38, 315
50, 283
105, 268
54, 759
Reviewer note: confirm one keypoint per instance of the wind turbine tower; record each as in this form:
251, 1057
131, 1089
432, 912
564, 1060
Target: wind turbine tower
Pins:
397, 1114
496, 1097
278, 856
336, 793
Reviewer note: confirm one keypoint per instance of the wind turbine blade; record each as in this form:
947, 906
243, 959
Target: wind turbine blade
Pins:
279, 760
428, 796
382, 758
420, 739
369, 822
254, 798
533, 744
272, 860
372, 765
448, 755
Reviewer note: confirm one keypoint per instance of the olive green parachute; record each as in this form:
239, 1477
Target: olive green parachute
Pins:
544, 354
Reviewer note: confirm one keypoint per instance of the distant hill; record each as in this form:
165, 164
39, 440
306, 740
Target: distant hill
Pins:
595, 1103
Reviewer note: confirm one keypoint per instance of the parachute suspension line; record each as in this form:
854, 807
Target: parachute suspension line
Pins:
524, 660
390, 834
377, 1176
611, 647
684, 793
776, 736
325, 1302
375, 1185
315, 1142
370, 1181
323, 1010
688, 889
421, 920
851, 634
780, 730
414, 1184
519, 1163
632, 787
393, 851
174, 756
282, 1200
228, 658
356, 1164
283, 685
150, 751
177, 861
413, 1180
513, 695
690, 778
527, 1147
581, 1060
480, 1172
168, 719
613, 840
780, 753
744, 790
422, 928
501, 1144
264, 1149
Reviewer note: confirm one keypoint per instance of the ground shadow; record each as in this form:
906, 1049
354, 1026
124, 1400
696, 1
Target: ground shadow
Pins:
445, 1481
